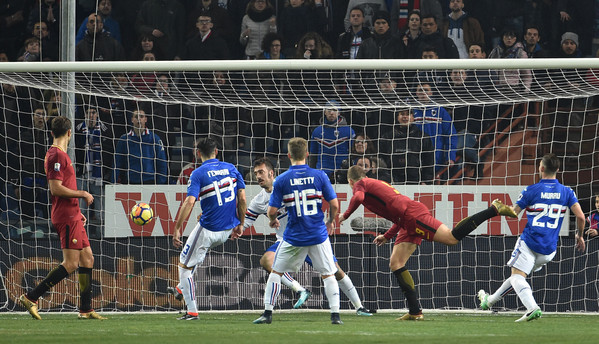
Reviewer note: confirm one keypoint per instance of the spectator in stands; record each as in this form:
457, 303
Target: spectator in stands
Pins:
370, 8
511, 48
95, 146
477, 51
467, 121
569, 46
140, 157
31, 50
297, 18
143, 82
413, 29
578, 16
111, 26
436, 122
593, 219
436, 77
362, 147
206, 44
431, 37
462, 28
259, 20
48, 41
48, 11
4, 57
165, 20
145, 45
407, 151
349, 42
32, 188
313, 46
331, 141
271, 47
532, 46
13, 16
382, 45
221, 20
401, 12
97, 45
189, 167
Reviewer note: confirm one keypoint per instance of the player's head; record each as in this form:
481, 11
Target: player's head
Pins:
208, 148
61, 126
549, 166
297, 149
264, 172
597, 201
354, 174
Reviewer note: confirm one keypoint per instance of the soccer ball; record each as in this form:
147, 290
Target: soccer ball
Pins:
141, 214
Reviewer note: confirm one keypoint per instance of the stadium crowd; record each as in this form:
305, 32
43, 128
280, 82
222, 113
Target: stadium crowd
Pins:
108, 130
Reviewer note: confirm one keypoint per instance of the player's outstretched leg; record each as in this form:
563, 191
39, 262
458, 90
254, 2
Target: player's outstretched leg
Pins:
30, 306
470, 223
303, 296
176, 292
483, 300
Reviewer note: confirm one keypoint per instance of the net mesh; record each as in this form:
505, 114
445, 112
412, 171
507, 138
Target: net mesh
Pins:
500, 123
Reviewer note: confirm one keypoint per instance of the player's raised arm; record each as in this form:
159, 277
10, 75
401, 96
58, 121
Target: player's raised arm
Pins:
333, 210
580, 224
241, 209
182, 216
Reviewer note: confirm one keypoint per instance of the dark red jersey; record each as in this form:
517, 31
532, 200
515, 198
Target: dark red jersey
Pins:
58, 165
380, 198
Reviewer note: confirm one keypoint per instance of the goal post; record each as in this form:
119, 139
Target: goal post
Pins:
505, 114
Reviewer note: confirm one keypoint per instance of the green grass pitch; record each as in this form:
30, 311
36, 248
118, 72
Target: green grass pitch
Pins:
297, 327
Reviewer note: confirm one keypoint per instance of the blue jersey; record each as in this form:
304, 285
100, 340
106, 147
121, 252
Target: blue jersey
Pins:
302, 189
546, 203
215, 184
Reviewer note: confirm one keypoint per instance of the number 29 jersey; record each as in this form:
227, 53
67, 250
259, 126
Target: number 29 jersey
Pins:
546, 203
215, 184
301, 190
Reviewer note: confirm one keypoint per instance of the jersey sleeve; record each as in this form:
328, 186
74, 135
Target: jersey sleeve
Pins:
355, 201
56, 165
252, 213
240, 181
327, 189
193, 185
276, 197
522, 201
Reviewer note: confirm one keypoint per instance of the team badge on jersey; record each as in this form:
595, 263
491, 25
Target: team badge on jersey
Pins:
57, 167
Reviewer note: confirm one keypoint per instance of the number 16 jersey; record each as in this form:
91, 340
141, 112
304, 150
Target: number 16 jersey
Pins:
546, 203
301, 189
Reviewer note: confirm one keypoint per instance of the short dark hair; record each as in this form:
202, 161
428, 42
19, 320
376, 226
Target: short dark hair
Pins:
426, 16
206, 146
532, 27
60, 126
264, 161
430, 48
357, 8
551, 163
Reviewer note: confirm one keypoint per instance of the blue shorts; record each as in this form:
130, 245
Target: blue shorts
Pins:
273, 248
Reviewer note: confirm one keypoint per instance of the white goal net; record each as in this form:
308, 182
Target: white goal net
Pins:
488, 123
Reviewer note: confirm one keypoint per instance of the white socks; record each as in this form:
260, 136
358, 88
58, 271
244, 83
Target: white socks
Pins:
331, 289
347, 287
500, 293
289, 282
271, 293
524, 292
187, 287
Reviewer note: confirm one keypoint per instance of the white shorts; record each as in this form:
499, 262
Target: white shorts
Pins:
527, 260
289, 258
199, 242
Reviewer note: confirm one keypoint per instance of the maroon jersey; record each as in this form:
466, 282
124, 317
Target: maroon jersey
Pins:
380, 198
385, 201
58, 165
